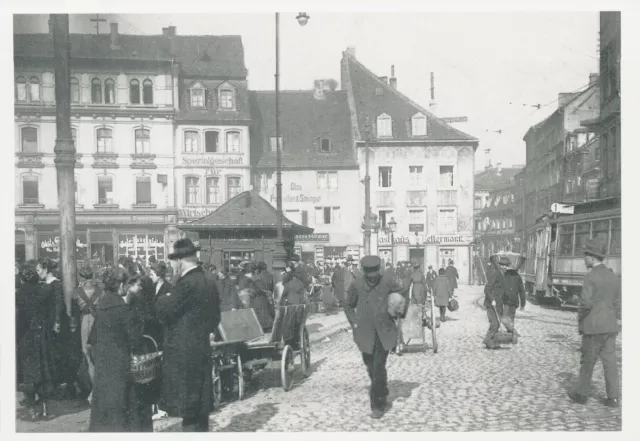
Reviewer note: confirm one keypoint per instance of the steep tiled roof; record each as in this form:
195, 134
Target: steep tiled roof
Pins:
246, 210
304, 121
212, 114
488, 180
224, 54
365, 87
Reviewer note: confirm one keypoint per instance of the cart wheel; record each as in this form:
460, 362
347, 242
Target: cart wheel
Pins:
217, 385
305, 353
433, 328
240, 376
287, 368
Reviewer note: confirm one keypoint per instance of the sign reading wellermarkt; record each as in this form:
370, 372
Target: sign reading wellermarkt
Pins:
432, 239
212, 160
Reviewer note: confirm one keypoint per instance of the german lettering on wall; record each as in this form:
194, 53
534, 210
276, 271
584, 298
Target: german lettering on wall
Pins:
211, 160
432, 239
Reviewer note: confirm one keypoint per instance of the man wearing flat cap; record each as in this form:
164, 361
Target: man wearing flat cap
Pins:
494, 292
374, 330
598, 322
190, 314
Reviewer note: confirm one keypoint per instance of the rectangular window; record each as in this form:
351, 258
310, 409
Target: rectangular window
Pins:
447, 220
477, 203
143, 137
325, 145
305, 218
233, 142
21, 89
273, 146
191, 142
104, 140
75, 91
384, 216
192, 190
384, 177
29, 139
34, 89
416, 217
197, 98
210, 142
419, 125
446, 176
416, 178
226, 99
600, 230
233, 187
327, 180
565, 245
384, 127
327, 215
266, 181
30, 190
615, 248
105, 190
213, 190
143, 190
583, 230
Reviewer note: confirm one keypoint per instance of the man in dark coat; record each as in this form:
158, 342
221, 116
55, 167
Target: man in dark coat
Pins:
337, 282
599, 323
191, 313
494, 295
452, 275
431, 277
374, 330
514, 293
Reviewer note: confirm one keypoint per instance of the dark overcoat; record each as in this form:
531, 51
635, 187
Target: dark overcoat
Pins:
514, 289
366, 309
337, 281
452, 274
442, 291
294, 292
190, 313
600, 302
118, 405
494, 290
259, 302
418, 288
431, 278
152, 326
229, 298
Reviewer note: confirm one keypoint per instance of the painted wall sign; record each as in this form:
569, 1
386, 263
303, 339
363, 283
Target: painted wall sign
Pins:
432, 239
315, 237
298, 198
296, 187
196, 212
212, 160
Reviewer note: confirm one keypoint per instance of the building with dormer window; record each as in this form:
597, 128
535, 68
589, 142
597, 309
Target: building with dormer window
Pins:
421, 172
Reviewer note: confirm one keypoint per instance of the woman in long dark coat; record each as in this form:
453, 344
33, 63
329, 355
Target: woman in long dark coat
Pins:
442, 292
259, 299
228, 292
418, 288
118, 404
35, 351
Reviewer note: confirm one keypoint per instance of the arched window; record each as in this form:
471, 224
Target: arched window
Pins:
96, 91
134, 92
21, 89
109, 91
147, 92
104, 138
29, 140
191, 142
75, 90
383, 125
34, 89
233, 142
419, 125
142, 141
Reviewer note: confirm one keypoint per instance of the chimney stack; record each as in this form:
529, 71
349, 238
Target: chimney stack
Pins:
487, 159
318, 89
393, 81
351, 50
432, 103
114, 36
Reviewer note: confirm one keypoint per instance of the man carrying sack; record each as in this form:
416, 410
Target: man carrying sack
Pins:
190, 313
599, 324
494, 294
374, 329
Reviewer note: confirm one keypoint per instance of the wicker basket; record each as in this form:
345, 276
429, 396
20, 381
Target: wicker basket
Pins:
146, 367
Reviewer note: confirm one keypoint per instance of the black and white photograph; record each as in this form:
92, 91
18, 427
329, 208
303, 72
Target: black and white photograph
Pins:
323, 221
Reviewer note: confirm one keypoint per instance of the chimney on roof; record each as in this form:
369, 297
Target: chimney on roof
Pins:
593, 78
393, 81
487, 159
433, 106
499, 169
115, 43
318, 89
169, 31
351, 50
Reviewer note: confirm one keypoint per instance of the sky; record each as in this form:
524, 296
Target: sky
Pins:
491, 67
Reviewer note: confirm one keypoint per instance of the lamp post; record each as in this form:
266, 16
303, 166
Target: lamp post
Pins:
391, 227
280, 254
367, 191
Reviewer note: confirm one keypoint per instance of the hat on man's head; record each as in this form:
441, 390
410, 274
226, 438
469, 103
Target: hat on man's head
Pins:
596, 247
504, 260
183, 248
295, 258
370, 264
350, 259
262, 265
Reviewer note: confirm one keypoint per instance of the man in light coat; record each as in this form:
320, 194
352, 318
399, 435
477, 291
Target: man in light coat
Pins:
598, 323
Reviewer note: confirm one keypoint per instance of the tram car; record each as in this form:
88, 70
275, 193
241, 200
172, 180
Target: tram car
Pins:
554, 266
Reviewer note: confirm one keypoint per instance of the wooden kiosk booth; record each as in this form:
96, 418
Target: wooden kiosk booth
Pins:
244, 228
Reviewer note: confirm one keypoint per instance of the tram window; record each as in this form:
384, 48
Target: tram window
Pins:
582, 234
566, 240
616, 237
600, 230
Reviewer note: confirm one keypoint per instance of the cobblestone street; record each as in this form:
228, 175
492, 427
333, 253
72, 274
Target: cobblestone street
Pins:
462, 388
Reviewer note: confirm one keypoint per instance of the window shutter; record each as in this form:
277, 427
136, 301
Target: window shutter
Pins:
305, 218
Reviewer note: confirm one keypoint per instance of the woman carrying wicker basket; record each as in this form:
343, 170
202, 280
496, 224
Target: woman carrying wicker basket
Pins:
118, 403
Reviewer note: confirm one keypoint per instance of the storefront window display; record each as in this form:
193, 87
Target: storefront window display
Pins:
141, 245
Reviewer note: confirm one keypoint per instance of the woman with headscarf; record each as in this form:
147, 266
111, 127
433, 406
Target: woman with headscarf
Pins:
118, 404
443, 293
35, 350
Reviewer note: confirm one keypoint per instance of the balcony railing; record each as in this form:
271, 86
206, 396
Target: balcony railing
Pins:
105, 160
30, 160
143, 160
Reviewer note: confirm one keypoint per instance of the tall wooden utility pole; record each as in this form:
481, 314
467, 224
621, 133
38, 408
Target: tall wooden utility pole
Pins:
278, 263
65, 156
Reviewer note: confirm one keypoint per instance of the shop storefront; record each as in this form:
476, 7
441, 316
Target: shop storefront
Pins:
318, 247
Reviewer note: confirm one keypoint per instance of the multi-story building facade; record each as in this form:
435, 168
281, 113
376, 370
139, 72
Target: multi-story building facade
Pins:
320, 182
122, 124
421, 172
212, 154
546, 150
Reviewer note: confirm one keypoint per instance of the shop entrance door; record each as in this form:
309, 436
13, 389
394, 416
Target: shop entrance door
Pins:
417, 254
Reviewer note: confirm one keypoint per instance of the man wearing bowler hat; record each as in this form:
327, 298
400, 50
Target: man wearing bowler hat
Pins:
374, 330
598, 323
190, 313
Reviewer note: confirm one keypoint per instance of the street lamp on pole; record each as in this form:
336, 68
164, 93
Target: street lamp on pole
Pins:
280, 253
391, 227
